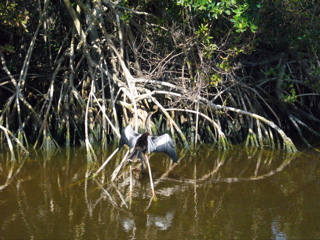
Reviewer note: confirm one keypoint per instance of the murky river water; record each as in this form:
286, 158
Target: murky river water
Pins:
209, 194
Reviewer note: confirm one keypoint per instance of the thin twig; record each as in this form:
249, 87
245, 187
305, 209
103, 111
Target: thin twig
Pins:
151, 180
105, 162
116, 171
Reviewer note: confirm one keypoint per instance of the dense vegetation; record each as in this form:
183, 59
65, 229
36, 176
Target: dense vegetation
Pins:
220, 72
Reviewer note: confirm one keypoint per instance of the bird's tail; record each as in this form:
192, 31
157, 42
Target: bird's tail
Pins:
136, 155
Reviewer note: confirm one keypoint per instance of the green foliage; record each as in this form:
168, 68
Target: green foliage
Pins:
214, 80
271, 72
225, 65
290, 23
291, 95
203, 33
7, 48
238, 12
12, 17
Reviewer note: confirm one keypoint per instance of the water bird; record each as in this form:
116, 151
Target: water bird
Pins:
141, 143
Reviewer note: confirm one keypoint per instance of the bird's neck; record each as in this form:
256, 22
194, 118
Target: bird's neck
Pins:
147, 123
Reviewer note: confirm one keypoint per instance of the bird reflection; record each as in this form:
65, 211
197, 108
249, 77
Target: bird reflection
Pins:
159, 221
128, 224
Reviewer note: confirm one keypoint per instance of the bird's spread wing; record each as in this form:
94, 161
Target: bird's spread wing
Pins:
128, 137
163, 143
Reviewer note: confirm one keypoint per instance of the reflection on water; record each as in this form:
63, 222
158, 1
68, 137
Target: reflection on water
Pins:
277, 234
210, 194
160, 222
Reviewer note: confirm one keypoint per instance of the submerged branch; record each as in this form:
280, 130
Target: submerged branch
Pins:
8, 135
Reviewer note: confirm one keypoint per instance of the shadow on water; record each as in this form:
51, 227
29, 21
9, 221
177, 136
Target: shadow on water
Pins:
244, 193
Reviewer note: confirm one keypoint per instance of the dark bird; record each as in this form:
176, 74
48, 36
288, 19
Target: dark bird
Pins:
141, 143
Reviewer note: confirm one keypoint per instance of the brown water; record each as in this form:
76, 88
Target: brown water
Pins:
211, 194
